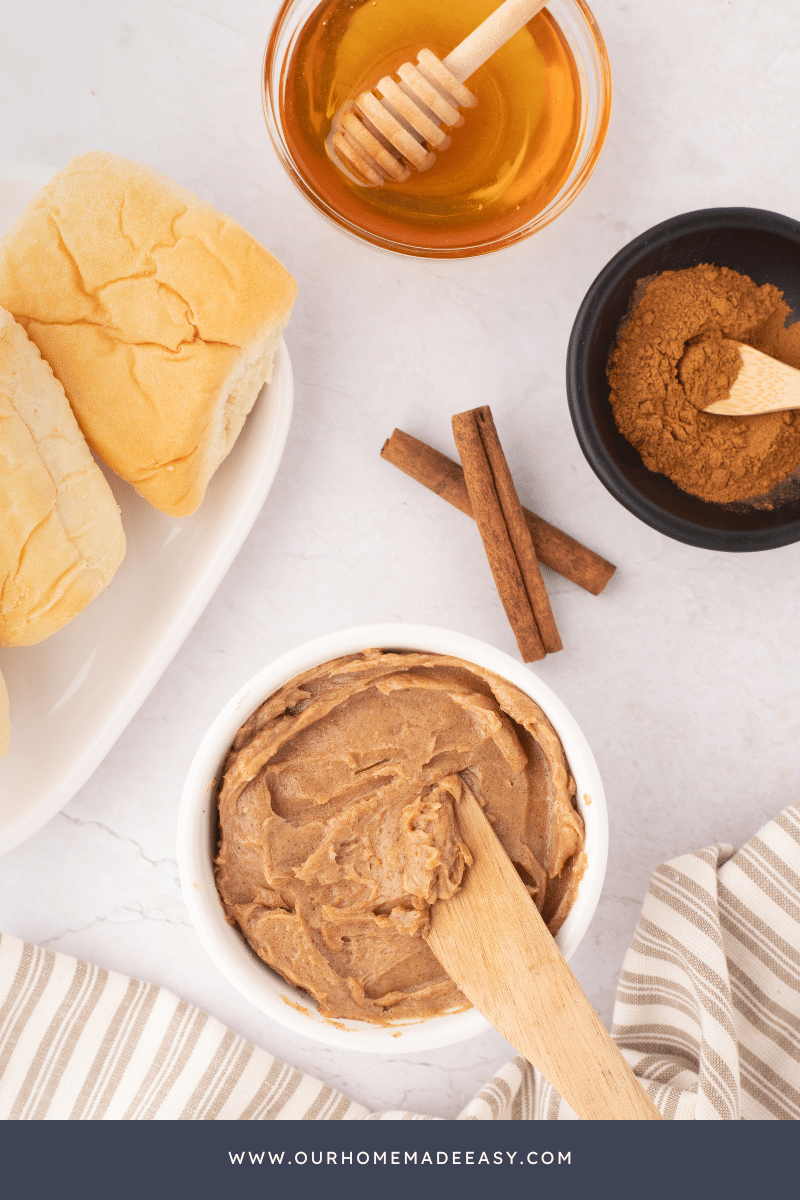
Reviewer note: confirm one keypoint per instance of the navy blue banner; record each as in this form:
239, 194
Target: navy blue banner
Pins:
396, 1160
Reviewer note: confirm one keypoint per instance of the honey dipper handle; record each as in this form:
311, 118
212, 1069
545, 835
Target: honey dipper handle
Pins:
490, 35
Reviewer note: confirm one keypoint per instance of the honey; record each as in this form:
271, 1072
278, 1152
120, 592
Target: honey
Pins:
506, 163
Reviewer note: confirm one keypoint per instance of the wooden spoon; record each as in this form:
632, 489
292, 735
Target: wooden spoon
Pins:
380, 137
492, 941
763, 385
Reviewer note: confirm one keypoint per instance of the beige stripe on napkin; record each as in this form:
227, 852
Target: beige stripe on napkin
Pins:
707, 1014
708, 1005
80, 1042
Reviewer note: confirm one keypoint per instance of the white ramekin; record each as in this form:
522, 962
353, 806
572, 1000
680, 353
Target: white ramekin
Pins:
197, 833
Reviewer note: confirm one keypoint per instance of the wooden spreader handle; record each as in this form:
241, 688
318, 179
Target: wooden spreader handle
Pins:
492, 941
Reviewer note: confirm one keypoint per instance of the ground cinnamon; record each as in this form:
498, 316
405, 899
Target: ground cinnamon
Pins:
708, 370
669, 361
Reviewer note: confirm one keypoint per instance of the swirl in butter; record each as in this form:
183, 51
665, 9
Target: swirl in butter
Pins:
338, 827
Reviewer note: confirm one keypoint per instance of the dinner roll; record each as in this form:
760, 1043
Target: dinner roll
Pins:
61, 537
5, 724
160, 316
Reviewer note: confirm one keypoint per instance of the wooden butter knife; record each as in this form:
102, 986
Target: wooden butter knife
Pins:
492, 941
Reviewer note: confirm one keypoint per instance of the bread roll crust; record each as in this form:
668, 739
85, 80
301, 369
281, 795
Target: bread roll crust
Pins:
61, 537
5, 723
160, 316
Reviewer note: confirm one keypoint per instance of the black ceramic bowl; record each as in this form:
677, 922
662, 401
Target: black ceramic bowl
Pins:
761, 244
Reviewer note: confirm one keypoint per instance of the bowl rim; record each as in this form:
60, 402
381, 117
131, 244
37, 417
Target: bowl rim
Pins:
266, 990
594, 450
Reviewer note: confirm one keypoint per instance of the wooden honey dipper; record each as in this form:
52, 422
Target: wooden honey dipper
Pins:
382, 137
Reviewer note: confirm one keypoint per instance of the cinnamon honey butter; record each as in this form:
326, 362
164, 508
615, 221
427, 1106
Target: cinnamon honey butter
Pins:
338, 824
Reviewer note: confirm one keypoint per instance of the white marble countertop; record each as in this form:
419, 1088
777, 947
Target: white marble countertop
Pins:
683, 674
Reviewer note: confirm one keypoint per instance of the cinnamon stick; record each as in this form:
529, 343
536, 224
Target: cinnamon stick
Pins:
505, 558
518, 530
554, 548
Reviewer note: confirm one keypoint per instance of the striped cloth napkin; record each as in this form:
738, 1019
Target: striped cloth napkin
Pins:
707, 1014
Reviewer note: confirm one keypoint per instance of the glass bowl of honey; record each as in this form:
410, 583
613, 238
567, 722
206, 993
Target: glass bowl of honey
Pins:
517, 161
